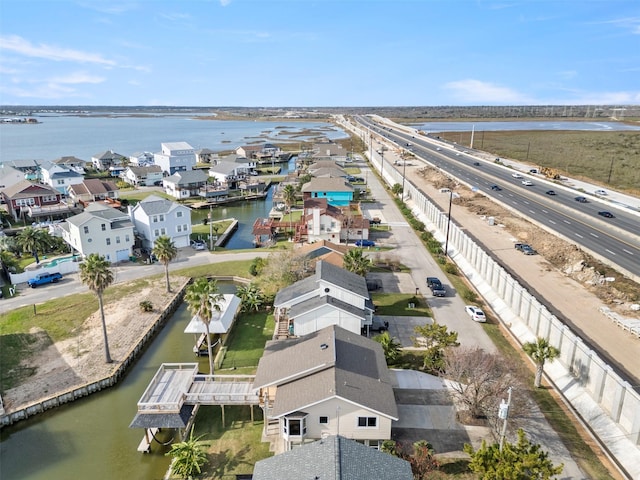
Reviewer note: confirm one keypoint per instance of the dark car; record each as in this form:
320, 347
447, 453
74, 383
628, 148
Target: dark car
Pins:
438, 290
606, 214
432, 280
476, 164
582, 199
365, 243
528, 250
375, 221
550, 192
496, 188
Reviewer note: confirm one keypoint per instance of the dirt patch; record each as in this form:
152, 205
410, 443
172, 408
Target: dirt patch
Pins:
78, 360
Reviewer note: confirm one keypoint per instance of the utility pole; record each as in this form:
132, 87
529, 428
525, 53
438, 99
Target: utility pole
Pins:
473, 130
503, 414
382, 163
610, 171
446, 242
210, 229
404, 167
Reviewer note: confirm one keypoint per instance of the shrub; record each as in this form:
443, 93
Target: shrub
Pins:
146, 306
451, 268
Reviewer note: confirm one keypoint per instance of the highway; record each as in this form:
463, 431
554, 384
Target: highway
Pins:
615, 241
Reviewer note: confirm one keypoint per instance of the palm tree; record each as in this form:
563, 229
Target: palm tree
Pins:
96, 274
289, 197
540, 351
188, 457
251, 297
355, 261
165, 250
390, 346
33, 239
203, 299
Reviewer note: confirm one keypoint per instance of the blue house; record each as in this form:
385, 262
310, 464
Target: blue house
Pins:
337, 191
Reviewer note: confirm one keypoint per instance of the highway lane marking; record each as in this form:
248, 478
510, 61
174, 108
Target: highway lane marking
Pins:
607, 250
567, 222
627, 251
545, 211
531, 211
593, 234
578, 235
551, 221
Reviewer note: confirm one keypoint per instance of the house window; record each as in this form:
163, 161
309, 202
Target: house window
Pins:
60, 182
154, 219
104, 227
367, 422
162, 218
108, 241
86, 229
156, 233
179, 228
117, 239
163, 231
323, 420
179, 214
126, 238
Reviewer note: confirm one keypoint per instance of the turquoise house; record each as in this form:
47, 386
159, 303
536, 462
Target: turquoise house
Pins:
337, 191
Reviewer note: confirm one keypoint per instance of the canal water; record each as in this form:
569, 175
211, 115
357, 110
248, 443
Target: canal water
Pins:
91, 438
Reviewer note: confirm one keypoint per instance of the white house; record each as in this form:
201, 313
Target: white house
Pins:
100, 229
175, 157
145, 176
329, 382
185, 184
59, 177
108, 159
141, 159
155, 216
72, 163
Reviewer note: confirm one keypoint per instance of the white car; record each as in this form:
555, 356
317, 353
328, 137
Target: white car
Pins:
198, 245
600, 192
527, 183
516, 175
475, 313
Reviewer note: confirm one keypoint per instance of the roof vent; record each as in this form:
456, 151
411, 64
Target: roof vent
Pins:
324, 346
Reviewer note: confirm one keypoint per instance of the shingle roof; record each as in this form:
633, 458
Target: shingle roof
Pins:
154, 205
187, 176
19, 190
333, 458
317, 302
331, 362
327, 185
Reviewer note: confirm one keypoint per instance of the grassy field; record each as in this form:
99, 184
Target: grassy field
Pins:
609, 158
397, 304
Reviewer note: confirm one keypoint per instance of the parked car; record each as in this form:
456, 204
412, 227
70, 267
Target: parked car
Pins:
378, 325
581, 199
533, 170
375, 221
198, 245
527, 183
600, 192
496, 188
365, 243
432, 280
44, 278
607, 214
516, 175
550, 192
438, 290
475, 313
528, 250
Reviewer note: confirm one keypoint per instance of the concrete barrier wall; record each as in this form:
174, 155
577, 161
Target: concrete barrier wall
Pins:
614, 395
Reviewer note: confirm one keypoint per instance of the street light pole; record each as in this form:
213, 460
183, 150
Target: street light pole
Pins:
446, 242
610, 171
210, 229
503, 414
404, 168
382, 164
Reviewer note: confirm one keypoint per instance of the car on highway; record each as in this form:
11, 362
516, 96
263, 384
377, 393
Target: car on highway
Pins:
475, 313
496, 188
516, 175
527, 183
44, 278
438, 149
365, 243
600, 192
550, 192
476, 164
581, 199
606, 213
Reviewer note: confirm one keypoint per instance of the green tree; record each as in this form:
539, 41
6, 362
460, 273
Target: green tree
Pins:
434, 338
396, 189
520, 461
96, 274
32, 239
390, 346
188, 457
202, 298
289, 197
357, 262
540, 351
165, 250
251, 297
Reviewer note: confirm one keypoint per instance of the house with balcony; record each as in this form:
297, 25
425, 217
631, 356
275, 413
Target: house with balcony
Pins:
29, 168
143, 176
333, 458
337, 191
262, 153
9, 176
35, 201
156, 216
59, 177
141, 159
72, 163
329, 151
185, 184
324, 222
100, 229
330, 296
175, 157
206, 155
330, 382
107, 160
93, 190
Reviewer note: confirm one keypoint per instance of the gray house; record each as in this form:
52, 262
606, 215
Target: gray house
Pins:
333, 458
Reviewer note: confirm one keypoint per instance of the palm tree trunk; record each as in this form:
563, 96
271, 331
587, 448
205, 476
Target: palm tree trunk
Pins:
538, 380
166, 272
209, 349
107, 355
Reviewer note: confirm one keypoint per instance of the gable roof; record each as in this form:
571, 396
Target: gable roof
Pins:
333, 458
70, 160
187, 176
315, 303
93, 186
140, 171
327, 184
177, 145
332, 362
322, 247
154, 205
26, 189
109, 155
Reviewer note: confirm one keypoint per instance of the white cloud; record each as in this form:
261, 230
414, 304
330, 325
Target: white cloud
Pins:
477, 92
77, 78
224, 3
19, 45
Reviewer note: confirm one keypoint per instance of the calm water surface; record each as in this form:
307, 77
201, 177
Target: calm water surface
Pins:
501, 126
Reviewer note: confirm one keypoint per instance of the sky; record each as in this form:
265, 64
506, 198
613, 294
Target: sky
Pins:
319, 53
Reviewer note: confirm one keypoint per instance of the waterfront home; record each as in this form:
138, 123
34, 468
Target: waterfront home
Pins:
328, 151
100, 229
324, 250
145, 176
72, 163
175, 157
333, 458
330, 296
156, 216
93, 190
232, 169
337, 191
141, 159
105, 160
29, 168
185, 184
323, 221
206, 155
262, 153
36, 201
330, 382
59, 177
9, 175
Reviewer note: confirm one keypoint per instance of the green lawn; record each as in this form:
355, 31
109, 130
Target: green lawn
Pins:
397, 304
247, 338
